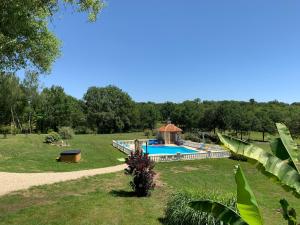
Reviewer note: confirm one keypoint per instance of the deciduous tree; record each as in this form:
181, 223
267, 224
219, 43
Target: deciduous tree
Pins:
108, 109
25, 40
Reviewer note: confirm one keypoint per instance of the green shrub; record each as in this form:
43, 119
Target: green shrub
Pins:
147, 133
192, 137
198, 137
15, 131
66, 132
140, 166
83, 130
178, 211
154, 132
49, 130
52, 137
5, 130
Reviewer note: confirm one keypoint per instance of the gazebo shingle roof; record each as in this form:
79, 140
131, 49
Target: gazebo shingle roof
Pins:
169, 128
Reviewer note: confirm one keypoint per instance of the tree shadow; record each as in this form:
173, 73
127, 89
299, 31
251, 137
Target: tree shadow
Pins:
162, 220
122, 193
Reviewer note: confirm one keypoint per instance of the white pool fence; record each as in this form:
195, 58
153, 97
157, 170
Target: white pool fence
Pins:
214, 151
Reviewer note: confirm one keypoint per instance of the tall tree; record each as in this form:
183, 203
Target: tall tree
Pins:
109, 109
166, 110
31, 86
25, 40
54, 109
266, 125
149, 115
12, 101
78, 116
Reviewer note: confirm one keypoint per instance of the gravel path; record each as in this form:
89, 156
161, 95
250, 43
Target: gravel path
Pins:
10, 182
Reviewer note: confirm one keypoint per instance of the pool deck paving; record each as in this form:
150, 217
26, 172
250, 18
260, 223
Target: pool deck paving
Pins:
10, 182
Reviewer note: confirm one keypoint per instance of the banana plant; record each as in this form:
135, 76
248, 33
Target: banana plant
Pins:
288, 147
246, 201
246, 204
219, 211
282, 165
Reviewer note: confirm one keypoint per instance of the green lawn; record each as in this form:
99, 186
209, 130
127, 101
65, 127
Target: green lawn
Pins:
23, 153
257, 136
253, 135
106, 199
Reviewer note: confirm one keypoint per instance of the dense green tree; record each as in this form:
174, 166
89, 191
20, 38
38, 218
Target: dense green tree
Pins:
191, 113
236, 122
187, 114
31, 87
54, 110
166, 109
224, 115
293, 118
208, 122
217, 115
276, 111
265, 124
78, 116
108, 109
25, 40
12, 100
149, 115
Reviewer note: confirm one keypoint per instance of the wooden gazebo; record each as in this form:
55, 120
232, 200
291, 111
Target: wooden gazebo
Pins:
169, 133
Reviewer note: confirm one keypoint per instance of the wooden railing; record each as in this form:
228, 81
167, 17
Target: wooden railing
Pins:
122, 145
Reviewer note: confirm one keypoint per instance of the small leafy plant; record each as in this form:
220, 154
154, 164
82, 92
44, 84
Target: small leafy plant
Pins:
147, 133
248, 211
52, 137
5, 130
66, 132
179, 212
140, 166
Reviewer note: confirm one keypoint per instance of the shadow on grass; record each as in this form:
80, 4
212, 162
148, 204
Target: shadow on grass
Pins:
122, 193
162, 220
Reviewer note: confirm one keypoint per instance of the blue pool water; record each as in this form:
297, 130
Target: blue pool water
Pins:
162, 149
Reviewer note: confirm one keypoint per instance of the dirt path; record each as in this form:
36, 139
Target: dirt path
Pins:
10, 182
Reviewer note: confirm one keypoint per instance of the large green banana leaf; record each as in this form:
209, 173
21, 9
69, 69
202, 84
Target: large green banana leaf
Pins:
290, 145
278, 149
246, 202
219, 211
286, 174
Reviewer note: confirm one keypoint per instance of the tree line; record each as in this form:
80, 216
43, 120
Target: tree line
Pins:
25, 107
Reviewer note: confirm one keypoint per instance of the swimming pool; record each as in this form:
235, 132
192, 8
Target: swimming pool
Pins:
163, 149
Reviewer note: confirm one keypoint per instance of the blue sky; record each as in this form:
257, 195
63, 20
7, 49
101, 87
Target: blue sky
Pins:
174, 50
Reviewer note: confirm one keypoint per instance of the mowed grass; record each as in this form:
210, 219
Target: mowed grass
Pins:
23, 153
107, 199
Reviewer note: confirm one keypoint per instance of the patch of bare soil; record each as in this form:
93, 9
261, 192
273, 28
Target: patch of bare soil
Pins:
158, 182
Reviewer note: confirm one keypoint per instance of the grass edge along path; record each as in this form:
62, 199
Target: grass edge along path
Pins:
10, 182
